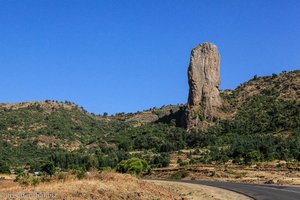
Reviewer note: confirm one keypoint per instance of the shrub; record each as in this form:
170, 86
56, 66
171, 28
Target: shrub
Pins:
4, 168
253, 157
180, 174
23, 178
20, 173
79, 172
238, 161
48, 168
193, 161
132, 166
35, 181
162, 160
181, 162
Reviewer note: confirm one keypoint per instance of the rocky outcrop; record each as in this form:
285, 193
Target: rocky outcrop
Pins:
204, 81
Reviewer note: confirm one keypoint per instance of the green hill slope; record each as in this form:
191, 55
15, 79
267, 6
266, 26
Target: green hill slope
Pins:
260, 116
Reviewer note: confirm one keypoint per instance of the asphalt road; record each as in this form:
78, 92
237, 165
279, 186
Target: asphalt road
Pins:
256, 191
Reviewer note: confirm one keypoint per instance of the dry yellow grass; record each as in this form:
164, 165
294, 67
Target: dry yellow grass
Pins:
263, 173
113, 186
104, 186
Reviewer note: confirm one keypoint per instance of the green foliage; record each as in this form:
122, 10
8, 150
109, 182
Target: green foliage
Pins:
180, 175
79, 172
4, 168
180, 161
48, 130
218, 155
132, 166
162, 160
49, 168
20, 173
35, 181
24, 179
253, 157
162, 137
265, 114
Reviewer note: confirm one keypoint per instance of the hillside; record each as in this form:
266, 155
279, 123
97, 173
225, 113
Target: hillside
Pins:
285, 86
264, 110
268, 104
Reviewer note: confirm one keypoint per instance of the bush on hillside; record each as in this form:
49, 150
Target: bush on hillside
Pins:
48, 168
4, 168
132, 166
180, 174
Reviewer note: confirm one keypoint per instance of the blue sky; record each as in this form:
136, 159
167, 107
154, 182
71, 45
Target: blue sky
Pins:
130, 55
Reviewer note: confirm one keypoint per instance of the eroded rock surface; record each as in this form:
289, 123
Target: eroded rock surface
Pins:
204, 81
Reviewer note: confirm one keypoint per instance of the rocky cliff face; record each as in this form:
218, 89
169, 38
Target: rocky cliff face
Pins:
204, 81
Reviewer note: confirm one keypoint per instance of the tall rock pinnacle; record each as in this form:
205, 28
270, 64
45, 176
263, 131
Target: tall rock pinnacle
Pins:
204, 81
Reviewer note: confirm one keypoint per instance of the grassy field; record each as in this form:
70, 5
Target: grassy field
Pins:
112, 186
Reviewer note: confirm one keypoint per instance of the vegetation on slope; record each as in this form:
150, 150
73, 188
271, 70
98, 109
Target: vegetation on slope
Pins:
261, 122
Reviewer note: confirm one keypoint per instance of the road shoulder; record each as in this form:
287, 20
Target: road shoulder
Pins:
200, 192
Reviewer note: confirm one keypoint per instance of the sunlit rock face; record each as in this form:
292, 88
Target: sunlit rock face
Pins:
204, 81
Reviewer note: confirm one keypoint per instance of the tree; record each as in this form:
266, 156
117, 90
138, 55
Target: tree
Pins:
48, 168
162, 160
167, 147
4, 168
132, 166
252, 157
